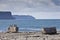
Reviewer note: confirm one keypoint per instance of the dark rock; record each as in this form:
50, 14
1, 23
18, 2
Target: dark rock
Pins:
50, 30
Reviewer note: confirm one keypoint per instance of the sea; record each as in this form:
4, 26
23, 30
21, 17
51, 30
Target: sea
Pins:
30, 25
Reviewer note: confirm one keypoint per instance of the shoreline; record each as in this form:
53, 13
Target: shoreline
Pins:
28, 36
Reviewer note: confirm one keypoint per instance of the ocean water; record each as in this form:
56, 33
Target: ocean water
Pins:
30, 25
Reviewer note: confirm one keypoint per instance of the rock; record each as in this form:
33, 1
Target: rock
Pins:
50, 30
13, 29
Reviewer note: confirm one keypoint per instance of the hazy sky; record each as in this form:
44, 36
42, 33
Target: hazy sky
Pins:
41, 9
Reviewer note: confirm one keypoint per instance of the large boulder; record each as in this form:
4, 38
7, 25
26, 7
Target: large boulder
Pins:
50, 30
12, 29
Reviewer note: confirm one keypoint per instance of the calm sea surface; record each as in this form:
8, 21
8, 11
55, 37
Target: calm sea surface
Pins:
30, 25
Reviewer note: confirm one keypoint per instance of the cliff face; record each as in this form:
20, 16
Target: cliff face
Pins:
24, 17
6, 15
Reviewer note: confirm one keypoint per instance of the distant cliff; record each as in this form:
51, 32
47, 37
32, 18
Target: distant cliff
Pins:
5, 15
8, 15
24, 17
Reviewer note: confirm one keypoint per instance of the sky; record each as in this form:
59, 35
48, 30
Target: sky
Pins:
40, 9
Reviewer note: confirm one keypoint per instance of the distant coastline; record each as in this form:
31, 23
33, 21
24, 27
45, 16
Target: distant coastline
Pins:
26, 22
8, 15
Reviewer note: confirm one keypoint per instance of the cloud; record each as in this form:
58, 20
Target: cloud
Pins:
56, 2
3, 7
31, 7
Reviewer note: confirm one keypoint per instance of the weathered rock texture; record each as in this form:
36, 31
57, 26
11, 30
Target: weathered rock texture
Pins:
28, 36
12, 29
50, 30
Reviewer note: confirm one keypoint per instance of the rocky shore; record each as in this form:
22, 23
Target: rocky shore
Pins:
28, 36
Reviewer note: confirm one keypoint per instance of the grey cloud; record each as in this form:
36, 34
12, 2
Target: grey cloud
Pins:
28, 5
56, 2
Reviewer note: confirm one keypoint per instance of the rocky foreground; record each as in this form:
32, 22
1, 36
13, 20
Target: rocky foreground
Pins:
28, 36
